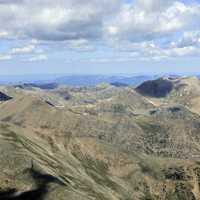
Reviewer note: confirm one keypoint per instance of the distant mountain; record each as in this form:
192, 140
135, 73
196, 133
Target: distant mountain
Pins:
20, 79
92, 80
80, 80
74, 80
118, 84
44, 86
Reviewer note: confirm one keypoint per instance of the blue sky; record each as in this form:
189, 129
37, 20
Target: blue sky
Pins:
99, 37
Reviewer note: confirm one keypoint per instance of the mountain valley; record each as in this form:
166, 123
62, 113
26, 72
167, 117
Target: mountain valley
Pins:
103, 142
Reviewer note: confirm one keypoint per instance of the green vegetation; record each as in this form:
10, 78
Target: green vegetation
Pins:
119, 108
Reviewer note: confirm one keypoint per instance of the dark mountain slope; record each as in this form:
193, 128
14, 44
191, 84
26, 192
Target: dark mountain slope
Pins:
4, 97
156, 88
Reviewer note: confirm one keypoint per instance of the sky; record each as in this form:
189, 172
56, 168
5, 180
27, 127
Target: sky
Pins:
99, 36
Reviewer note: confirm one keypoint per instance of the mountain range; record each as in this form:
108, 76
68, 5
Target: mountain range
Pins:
75, 80
111, 141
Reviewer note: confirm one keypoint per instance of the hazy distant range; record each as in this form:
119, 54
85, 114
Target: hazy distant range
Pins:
77, 80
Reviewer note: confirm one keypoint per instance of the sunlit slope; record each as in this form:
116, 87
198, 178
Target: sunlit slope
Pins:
85, 168
170, 131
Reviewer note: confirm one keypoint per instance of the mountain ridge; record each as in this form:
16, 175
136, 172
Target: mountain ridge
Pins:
100, 143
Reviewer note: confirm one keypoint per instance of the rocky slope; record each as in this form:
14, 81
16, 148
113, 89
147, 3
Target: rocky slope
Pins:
101, 143
4, 97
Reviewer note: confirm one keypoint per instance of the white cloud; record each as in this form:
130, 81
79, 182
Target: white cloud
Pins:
3, 34
30, 50
23, 50
5, 57
88, 19
150, 51
56, 20
145, 29
191, 38
41, 57
137, 23
153, 5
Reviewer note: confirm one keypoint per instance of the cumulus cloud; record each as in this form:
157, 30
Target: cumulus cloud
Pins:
153, 5
3, 34
41, 57
23, 50
31, 50
56, 20
191, 38
81, 45
137, 23
5, 57
11, 1
155, 29
89, 19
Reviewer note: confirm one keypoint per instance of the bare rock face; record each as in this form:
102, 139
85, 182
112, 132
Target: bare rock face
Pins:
155, 88
4, 97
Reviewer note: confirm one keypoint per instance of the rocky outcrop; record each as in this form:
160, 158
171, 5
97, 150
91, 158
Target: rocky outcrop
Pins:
4, 97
